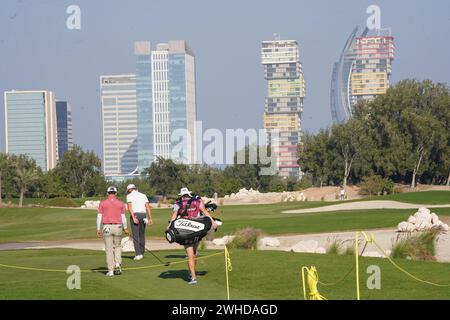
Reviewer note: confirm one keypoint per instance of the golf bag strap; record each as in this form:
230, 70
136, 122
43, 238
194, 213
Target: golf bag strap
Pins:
188, 205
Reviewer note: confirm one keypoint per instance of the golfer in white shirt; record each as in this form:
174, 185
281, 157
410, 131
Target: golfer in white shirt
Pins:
140, 215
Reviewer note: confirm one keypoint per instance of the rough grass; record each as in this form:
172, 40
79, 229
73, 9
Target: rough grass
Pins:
340, 247
258, 275
421, 246
334, 247
60, 202
245, 239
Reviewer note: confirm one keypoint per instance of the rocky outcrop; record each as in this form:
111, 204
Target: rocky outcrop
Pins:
422, 220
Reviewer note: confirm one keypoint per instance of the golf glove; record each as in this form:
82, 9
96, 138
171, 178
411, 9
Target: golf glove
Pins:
106, 231
145, 221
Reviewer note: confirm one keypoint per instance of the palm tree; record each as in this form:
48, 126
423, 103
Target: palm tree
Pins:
25, 177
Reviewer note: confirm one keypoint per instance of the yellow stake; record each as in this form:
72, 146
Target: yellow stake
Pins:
228, 268
312, 278
357, 265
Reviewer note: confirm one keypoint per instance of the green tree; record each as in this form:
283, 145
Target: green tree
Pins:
315, 156
25, 176
349, 140
52, 186
409, 128
80, 173
166, 176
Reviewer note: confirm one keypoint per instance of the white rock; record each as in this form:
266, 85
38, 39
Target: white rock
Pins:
218, 242
91, 204
223, 241
127, 244
406, 227
412, 219
422, 217
424, 211
374, 254
309, 246
270, 242
434, 218
423, 225
83, 206
320, 250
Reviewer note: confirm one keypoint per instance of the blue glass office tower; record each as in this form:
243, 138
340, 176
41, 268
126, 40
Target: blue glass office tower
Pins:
144, 104
165, 102
64, 124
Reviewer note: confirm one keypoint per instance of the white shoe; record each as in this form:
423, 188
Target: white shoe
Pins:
138, 257
110, 273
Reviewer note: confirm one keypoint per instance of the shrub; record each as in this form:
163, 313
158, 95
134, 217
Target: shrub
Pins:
417, 247
337, 247
60, 202
350, 251
245, 239
303, 183
334, 248
376, 185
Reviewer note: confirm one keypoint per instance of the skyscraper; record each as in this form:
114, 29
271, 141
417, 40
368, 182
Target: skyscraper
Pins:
30, 126
144, 106
64, 125
119, 118
361, 73
284, 102
166, 102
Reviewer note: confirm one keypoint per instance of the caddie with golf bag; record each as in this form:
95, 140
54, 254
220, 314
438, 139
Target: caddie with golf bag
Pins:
189, 223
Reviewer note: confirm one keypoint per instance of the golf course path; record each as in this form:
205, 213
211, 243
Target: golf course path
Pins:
372, 204
384, 237
127, 245
308, 243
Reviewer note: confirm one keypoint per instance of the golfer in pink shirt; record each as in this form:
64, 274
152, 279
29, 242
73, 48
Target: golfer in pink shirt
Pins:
111, 214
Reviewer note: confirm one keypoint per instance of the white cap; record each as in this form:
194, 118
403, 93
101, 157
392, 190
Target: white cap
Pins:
184, 191
131, 186
112, 189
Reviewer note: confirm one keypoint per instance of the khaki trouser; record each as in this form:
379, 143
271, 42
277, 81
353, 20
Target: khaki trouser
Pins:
113, 246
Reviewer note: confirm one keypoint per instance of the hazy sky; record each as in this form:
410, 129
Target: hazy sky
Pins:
37, 51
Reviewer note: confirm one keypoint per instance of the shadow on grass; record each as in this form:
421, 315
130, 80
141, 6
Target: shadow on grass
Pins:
179, 274
176, 256
100, 270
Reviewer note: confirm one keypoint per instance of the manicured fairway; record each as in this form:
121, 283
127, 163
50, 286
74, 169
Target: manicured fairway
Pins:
255, 275
35, 224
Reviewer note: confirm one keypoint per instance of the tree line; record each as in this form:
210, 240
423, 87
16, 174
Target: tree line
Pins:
78, 175
402, 136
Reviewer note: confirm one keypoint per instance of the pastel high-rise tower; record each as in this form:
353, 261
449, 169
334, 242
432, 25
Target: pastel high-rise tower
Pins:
284, 102
31, 127
362, 72
119, 118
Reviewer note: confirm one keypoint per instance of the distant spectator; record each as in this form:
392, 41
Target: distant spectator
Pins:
341, 193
